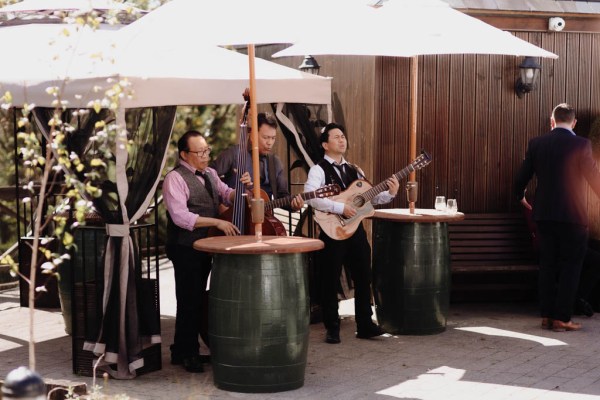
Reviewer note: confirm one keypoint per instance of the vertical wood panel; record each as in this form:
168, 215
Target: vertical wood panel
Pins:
426, 128
481, 168
455, 129
440, 133
494, 132
468, 119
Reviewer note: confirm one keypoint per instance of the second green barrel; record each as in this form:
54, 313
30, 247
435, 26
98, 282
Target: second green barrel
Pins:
411, 276
259, 321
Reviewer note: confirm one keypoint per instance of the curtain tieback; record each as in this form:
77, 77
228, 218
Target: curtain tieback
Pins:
117, 230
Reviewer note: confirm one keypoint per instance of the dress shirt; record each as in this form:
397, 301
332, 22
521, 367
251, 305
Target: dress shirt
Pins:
316, 179
176, 194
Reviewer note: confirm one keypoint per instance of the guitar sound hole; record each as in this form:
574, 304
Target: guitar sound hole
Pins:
358, 201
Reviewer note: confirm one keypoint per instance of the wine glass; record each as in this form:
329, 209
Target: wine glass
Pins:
452, 206
440, 203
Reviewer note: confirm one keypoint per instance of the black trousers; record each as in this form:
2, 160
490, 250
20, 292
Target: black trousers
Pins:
562, 250
355, 254
191, 274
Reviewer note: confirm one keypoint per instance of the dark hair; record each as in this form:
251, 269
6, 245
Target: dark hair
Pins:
266, 118
182, 143
325, 133
563, 113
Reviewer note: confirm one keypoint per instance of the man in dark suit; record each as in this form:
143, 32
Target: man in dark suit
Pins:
562, 163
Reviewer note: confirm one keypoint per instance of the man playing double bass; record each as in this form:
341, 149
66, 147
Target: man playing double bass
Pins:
272, 176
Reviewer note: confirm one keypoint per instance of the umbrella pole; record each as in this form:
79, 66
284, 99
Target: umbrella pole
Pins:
414, 78
256, 218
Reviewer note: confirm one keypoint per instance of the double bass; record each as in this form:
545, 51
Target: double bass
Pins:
239, 214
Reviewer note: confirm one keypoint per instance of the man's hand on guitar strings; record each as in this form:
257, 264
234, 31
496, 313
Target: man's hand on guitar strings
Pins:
297, 203
349, 211
393, 185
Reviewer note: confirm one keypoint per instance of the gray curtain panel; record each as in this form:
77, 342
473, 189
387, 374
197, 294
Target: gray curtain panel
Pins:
129, 322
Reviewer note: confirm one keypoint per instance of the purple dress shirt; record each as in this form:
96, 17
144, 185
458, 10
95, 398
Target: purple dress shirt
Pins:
176, 194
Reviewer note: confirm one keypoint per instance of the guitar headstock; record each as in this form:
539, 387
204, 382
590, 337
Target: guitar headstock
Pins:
328, 191
422, 161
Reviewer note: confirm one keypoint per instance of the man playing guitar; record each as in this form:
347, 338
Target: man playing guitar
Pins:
354, 252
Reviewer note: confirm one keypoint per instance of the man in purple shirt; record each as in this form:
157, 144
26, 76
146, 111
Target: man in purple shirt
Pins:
192, 193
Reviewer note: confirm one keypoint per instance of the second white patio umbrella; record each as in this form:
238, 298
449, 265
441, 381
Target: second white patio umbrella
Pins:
408, 28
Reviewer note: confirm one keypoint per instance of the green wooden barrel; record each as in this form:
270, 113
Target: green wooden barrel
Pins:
411, 276
259, 321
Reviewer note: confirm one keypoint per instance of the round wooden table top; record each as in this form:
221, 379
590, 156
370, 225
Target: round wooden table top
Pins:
421, 215
247, 244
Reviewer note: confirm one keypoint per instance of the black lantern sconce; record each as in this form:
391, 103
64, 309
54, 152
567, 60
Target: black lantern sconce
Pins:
310, 65
529, 75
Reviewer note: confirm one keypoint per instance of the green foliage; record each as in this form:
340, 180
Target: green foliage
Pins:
216, 122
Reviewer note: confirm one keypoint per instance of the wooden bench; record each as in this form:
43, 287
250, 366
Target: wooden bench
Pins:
492, 253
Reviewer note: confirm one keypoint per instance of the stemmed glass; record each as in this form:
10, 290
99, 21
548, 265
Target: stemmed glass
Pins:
440, 203
452, 206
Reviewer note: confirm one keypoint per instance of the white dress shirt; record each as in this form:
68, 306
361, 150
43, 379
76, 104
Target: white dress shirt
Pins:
316, 179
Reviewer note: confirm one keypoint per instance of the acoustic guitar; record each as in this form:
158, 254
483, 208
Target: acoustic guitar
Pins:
359, 195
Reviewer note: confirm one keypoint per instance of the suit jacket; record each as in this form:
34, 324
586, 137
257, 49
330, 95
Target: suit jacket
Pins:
562, 163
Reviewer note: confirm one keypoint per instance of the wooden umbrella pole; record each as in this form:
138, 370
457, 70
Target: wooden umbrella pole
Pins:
254, 138
414, 78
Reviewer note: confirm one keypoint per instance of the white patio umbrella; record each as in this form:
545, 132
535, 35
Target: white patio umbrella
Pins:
408, 28
230, 22
82, 63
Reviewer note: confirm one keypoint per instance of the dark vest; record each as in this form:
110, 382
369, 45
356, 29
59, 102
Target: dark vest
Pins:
199, 202
331, 175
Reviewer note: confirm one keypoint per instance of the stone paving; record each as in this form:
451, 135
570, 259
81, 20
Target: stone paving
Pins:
491, 351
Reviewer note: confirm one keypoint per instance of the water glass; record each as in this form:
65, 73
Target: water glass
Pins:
452, 206
440, 203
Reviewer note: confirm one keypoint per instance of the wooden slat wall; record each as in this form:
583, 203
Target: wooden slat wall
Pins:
473, 123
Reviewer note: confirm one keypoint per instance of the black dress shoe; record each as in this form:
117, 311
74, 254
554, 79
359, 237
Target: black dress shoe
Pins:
369, 331
333, 336
582, 307
193, 364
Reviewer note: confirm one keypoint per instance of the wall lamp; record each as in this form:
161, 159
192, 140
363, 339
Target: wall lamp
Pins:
310, 65
529, 71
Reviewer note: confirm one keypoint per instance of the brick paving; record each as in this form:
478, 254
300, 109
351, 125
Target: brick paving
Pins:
475, 358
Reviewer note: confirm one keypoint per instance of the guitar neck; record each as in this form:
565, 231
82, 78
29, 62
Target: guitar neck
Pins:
382, 186
287, 201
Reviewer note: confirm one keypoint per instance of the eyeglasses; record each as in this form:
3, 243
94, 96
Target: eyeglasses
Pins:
201, 153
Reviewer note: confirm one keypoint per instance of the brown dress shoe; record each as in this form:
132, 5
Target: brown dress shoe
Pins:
560, 326
546, 323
